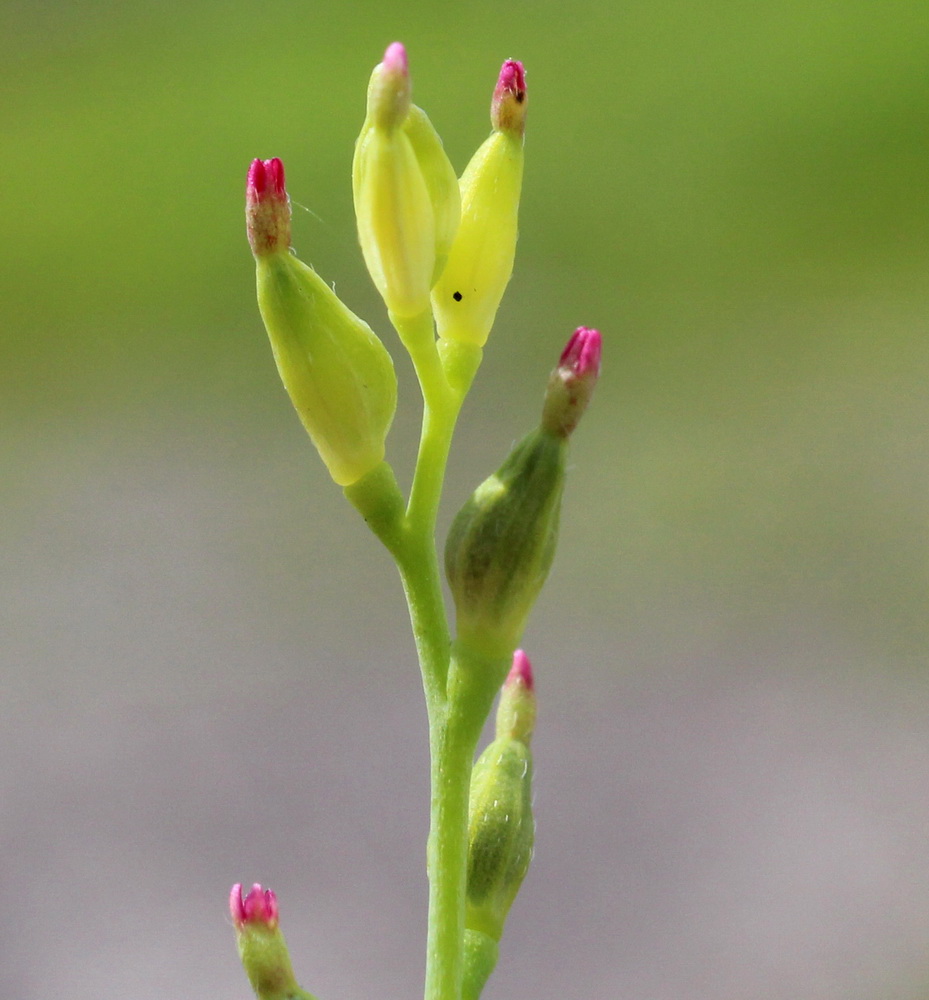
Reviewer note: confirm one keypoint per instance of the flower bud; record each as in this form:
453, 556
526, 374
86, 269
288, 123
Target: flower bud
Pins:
339, 376
441, 182
572, 383
261, 944
517, 709
393, 207
500, 833
479, 960
467, 295
501, 543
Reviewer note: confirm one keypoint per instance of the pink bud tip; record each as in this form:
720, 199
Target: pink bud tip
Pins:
395, 59
265, 180
521, 671
582, 353
257, 906
512, 79
508, 107
572, 383
267, 209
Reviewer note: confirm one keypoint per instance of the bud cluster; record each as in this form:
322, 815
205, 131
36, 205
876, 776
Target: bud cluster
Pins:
440, 253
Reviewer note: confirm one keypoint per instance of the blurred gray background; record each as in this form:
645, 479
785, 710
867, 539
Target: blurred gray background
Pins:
206, 674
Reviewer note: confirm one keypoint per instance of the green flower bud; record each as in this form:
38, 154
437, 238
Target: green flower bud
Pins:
339, 376
393, 206
441, 182
480, 958
501, 544
500, 833
261, 945
466, 297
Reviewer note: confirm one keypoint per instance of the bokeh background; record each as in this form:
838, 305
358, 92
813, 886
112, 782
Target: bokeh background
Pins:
206, 673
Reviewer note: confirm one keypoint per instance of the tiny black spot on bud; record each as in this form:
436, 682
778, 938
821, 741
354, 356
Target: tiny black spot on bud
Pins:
457, 296
520, 96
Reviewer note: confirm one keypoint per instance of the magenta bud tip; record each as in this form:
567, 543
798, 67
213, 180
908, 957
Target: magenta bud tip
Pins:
521, 671
582, 353
395, 59
512, 80
265, 180
508, 107
257, 906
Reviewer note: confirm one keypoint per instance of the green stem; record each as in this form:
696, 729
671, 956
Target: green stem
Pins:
473, 681
456, 714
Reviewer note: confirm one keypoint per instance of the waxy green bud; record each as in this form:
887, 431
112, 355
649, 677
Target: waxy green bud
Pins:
500, 824
393, 205
339, 376
501, 544
500, 833
468, 293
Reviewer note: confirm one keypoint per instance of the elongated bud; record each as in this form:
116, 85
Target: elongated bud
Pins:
339, 376
572, 383
393, 207
468, 293
502, 541
261, 945
517, 709
441, 183
500, 824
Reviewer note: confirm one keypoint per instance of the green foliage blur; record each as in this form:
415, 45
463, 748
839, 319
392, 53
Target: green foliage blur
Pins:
736, 194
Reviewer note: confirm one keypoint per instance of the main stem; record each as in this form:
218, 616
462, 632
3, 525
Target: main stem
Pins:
451, 744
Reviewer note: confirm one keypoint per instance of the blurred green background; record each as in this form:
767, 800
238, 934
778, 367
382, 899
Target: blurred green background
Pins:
205, 671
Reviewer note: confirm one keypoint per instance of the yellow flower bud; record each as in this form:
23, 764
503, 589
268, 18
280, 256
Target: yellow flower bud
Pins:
393, 207
339, 376
441, 182
467, 295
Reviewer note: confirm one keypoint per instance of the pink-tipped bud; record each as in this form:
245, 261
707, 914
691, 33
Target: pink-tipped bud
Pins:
267, 207
257, 906
517, 709
389, 90
572, 383
508, 107
520, 672
395, 59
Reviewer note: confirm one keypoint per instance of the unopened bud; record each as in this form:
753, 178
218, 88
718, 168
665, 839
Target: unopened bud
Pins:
508, 108
572, 383
393, 207
467, 295
479, 960
517, 709
441, 182
267, 207
261, 944
500, 833
501, 544
389, 88
339, 376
